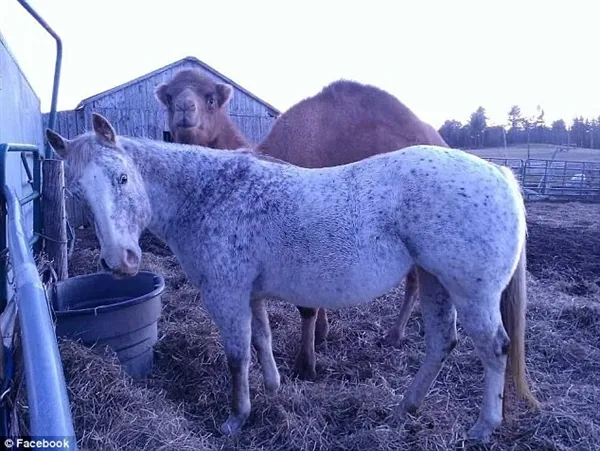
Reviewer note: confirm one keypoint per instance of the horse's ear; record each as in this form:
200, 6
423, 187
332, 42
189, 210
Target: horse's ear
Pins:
161, 94
104, 131
224, 93
58, 143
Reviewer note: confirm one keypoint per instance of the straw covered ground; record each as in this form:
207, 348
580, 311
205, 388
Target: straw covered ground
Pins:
353, 403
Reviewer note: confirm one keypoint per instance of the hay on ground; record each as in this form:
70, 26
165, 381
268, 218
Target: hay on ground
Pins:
353, 404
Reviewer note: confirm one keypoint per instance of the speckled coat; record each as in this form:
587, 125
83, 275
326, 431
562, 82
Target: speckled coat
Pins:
244, 228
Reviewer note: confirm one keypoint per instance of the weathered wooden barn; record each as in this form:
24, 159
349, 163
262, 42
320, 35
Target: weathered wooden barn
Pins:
134, 111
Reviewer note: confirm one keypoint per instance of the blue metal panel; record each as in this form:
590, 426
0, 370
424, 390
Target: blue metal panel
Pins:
49, 409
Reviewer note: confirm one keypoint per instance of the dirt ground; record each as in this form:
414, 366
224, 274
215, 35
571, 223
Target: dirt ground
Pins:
541, 151
564, 245
353, 404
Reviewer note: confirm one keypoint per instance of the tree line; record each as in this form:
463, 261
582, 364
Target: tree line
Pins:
520, 130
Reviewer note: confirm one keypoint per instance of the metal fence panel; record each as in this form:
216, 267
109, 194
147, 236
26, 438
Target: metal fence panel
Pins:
555, 179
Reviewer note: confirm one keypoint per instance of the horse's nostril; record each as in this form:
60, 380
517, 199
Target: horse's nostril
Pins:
131, 258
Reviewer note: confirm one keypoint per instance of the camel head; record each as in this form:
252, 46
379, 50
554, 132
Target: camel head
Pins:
195, 105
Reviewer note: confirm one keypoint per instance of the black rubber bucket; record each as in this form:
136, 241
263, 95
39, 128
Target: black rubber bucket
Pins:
122, 314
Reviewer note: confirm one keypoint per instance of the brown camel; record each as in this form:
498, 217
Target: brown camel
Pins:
345, 122
196, 106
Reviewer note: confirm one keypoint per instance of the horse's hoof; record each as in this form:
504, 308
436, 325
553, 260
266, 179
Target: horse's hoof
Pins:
272, 387
271, 392
305, 368
232, 426
409, 406
394, 340
481, 431
306, 373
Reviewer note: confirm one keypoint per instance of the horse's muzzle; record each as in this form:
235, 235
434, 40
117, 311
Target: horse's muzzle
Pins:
128, 267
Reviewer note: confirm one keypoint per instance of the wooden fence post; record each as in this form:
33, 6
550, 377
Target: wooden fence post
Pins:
55, 216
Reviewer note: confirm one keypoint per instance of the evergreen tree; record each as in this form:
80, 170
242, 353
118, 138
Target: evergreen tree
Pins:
451, 132
477, 126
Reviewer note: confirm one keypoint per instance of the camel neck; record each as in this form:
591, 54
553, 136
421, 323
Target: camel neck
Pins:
229, 138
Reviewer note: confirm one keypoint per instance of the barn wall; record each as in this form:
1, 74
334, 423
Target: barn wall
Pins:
134, 111
137, 100
20, 123
70, 123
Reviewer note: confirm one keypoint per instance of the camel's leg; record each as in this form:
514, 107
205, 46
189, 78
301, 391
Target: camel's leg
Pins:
231, 313
482, 321
322, 327
306, 361
439, 319
261, 339
395, 334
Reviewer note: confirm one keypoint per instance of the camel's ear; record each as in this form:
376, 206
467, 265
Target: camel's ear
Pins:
58, 143
224, 94
161, 95
104, 131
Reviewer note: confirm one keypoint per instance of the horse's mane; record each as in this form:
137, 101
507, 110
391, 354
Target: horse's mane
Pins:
260, 156
81, 152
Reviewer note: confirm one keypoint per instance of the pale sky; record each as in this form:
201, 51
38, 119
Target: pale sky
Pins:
442, 58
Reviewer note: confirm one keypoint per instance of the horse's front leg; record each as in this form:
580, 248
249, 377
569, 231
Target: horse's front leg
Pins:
306, 361
261, 339
230, 310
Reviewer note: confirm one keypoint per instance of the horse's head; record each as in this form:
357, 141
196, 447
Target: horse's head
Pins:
195, 105
103, 176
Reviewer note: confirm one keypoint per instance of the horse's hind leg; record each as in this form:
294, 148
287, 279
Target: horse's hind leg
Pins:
230, 310
439, 319
305, 365
261, 339
396, 333
482, 321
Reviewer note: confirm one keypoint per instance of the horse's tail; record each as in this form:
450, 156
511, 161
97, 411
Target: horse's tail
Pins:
513, 307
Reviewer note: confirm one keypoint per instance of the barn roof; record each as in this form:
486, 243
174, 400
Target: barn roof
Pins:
190, 59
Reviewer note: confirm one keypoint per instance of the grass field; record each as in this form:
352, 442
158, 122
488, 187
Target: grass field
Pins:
541, 151
353, 404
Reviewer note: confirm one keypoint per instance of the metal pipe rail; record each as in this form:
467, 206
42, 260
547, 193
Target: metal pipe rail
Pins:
35, 180
48, 153
57, 66
49, 409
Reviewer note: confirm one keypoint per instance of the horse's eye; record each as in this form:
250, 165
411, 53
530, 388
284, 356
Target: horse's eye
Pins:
211, 102
123, 179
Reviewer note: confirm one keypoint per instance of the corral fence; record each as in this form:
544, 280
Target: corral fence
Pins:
555, 179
